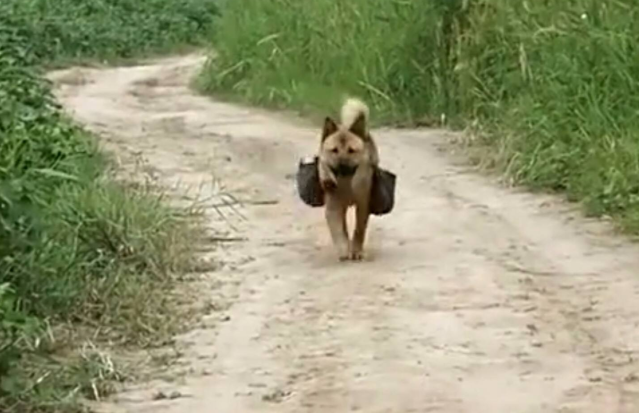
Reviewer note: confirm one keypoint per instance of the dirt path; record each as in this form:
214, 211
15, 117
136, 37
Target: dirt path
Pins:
473, 298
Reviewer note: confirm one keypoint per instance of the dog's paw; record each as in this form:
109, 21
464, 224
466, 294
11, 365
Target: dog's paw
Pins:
356, 255
329, 185
343, 252
355, 251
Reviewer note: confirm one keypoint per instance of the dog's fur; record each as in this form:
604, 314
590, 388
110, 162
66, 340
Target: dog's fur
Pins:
347, 158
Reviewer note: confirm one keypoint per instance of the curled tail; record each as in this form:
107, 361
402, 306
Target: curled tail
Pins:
352, 110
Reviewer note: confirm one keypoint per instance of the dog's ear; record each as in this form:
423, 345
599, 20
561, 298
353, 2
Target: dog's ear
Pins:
330, 127
359, 127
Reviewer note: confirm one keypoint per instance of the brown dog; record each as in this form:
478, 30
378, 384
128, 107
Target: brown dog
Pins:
347, 158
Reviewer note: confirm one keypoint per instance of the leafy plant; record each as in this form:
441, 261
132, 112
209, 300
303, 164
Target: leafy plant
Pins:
76, 248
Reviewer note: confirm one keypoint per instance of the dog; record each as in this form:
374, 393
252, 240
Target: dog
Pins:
347, 159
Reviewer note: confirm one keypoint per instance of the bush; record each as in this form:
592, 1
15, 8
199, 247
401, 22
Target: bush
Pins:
77, 248
65, 31
552, 83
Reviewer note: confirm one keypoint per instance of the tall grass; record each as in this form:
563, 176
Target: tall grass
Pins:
78, 250
308, 54
553, 84
557, 82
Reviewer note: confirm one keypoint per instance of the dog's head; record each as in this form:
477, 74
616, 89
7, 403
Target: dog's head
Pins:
344, 149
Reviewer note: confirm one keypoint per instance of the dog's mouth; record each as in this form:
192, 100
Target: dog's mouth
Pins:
344, 170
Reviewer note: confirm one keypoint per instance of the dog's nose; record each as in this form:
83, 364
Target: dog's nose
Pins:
345, 169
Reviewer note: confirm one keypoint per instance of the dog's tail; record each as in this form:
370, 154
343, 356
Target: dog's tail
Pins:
352, 109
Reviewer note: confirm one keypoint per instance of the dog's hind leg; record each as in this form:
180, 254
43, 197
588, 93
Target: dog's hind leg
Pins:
336, 220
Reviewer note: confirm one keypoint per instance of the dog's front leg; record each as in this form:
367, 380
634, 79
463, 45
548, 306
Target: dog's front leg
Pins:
361, 186
336, 220
327, 178
357, 246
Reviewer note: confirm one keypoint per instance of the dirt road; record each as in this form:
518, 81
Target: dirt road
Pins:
473, 298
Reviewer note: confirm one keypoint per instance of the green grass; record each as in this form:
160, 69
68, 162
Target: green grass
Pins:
558, 87
83, 258
553, 85
388, 51
69, 31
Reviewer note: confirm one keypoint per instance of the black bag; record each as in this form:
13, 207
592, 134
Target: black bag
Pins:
308, 182
312, 194
382, 192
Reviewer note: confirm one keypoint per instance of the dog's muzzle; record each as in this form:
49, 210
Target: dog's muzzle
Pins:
343, 169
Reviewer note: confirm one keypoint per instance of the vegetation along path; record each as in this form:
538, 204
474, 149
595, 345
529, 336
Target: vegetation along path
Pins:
474, 298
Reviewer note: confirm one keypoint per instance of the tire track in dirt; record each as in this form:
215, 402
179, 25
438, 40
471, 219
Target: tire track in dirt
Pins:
474, 298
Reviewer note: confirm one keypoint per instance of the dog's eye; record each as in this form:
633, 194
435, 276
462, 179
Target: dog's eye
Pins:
351, 150
334, 150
